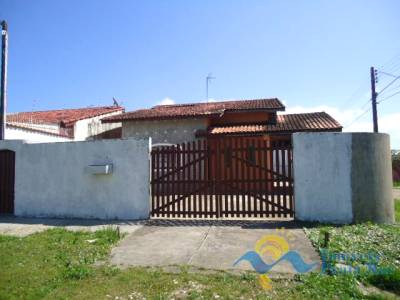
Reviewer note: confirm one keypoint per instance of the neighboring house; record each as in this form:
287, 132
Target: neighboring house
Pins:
63, 125
174, 124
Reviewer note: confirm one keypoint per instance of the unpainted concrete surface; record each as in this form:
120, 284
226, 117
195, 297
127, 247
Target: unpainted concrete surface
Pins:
212, 245
21, 227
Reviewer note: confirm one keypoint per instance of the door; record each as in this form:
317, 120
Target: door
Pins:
7, 176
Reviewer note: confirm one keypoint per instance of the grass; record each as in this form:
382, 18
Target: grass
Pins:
59, 264
382, 242
34, 266
396, 184
397, 210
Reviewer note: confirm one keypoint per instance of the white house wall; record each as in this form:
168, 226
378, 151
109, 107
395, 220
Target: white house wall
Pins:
165, 131
55, 180
81, 128
32, 136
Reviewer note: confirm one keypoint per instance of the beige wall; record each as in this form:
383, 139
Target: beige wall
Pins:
166, 131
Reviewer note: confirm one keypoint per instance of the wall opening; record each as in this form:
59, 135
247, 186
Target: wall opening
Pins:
7, 181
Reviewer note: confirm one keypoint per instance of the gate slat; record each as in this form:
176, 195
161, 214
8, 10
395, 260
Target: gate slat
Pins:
290, 181
284, 192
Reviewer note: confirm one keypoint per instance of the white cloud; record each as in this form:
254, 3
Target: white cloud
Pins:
388, 123
166, 101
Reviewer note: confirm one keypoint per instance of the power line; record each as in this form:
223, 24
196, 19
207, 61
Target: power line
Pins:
390, 83
362, 87
388, 74
356, 119
390, 62
388, 97
394, 88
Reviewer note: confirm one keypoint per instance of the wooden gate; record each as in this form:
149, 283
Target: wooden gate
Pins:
7, 175
229, 177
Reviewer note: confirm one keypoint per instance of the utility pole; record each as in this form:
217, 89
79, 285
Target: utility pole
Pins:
208, 80
374, 95
3, 86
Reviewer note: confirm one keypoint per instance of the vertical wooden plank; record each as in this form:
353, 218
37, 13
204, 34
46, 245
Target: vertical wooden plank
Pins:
168, 187
242, 172
278, 181
189, 176
272, 178
194, 178
200, 182
160, 171
156, 190
265, 179
162, 181
184, 178
152, 180
257, 177
222, 186
290, 181
284, 181
174, 206
179, 178
235, 165
218, 178
231, 179
246, 176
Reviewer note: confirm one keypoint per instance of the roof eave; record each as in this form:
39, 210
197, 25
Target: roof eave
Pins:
269, 132
199, 116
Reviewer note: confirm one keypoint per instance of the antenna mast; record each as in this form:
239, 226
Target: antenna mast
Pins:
208, 80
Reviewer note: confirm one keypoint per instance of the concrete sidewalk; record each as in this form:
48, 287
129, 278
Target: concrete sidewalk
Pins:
21, 227
206, 244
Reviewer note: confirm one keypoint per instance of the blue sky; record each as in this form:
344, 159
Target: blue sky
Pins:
310, 54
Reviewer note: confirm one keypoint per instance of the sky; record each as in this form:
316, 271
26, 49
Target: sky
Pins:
313, 55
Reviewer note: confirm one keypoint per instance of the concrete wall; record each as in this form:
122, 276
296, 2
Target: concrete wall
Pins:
166, 131
343, 177
53, 180
372, 178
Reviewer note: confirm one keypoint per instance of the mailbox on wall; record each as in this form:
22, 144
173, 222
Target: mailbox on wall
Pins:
100, 169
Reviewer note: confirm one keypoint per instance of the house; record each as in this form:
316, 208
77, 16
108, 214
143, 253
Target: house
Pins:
63, 125
229, 158
174, 124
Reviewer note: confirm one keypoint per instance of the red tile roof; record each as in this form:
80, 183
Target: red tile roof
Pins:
194, 110
319, 121
66, 117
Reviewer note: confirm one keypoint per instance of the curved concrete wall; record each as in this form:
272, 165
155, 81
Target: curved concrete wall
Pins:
343, 177
371, 178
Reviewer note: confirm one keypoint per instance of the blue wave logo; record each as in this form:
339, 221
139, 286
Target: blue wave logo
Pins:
261, 267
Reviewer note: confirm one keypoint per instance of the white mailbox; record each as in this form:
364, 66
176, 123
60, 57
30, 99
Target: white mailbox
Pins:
100, 169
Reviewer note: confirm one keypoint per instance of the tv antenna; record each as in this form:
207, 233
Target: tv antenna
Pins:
208, 80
